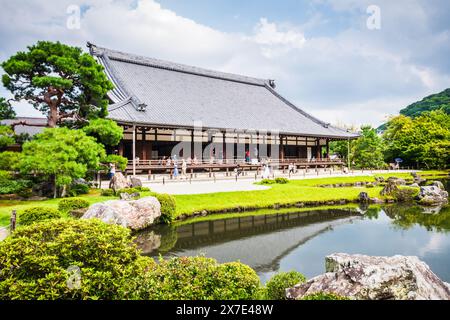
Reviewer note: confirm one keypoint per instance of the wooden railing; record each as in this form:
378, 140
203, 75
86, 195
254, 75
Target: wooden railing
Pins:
231, 163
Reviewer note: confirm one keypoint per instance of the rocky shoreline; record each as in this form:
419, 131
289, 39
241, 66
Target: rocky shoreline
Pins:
361, 277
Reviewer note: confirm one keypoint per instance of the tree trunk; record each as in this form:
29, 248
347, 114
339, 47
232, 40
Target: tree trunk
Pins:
55, 190
64, 191
53, 116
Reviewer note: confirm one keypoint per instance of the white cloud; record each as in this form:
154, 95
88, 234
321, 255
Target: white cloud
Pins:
275, 41
356, 75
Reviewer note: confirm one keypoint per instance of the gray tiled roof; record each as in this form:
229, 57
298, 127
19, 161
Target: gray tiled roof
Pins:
178, 95
33, 125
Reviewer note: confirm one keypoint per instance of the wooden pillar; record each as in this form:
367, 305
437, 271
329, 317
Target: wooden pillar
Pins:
318, 149
121, 148
281, 148
144, 145
224, 146
134, 150
192, 144
328, 148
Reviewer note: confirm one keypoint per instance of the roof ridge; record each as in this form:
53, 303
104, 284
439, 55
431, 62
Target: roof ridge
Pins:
173, 66
301, 111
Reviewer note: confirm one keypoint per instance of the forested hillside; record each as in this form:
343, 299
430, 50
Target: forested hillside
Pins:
433, 102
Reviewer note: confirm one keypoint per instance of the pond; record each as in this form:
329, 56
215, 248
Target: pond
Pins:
300, 239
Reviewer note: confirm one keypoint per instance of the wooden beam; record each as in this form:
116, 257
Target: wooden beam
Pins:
192, 144
143, 144
134, 150
328, 148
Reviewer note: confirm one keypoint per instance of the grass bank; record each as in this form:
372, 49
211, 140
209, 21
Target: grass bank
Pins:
296, 191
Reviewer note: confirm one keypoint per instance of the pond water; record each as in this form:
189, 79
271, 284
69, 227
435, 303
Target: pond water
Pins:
300, 240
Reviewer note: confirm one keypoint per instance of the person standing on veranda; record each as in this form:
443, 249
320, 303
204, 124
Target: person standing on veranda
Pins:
184, 169
111, 173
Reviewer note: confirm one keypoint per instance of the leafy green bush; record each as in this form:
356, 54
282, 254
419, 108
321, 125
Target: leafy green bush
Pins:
35, 261
168, 207
9, 160
127, 190
120, 162
10, 185
78, 189
66, 205
277, 285
142, 189
281, 180
324, 296
406, 194
197, 278
37, 214
6, 136
107, 192
267, 181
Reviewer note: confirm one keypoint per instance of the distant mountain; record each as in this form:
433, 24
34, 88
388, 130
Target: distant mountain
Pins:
433, 102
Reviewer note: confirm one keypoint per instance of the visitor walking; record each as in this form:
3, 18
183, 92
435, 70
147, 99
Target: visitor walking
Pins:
175, 170
184, 169
112, 170
247, 156
264, 174
291, 168
111, 173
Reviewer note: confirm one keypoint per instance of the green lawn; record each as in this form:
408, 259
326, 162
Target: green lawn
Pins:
295, 191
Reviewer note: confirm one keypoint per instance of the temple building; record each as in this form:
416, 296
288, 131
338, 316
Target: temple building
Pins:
172, 109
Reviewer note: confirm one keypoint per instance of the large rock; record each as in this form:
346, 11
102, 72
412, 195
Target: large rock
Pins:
433, 195
135, 182
118, 182
375, 278
391, 186
135, 214
363, 197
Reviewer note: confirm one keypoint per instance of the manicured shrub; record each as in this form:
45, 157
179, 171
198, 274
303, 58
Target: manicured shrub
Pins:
406, 194
9, 160
66, 205
143, 189
281, 180
324, 296
168, 207
11, 185
41, 261
37, 214
78, 189
107, 192
267, 181
127, 190
198, 278
277, 285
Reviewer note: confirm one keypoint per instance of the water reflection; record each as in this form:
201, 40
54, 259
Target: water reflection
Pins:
300, 240
260, 241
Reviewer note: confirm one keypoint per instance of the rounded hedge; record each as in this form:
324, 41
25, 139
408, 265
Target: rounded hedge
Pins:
37, 262
66, 205
277, 285
324, 296
168, 207
107, 192
78, 189
37, 214
197, 278
281, 180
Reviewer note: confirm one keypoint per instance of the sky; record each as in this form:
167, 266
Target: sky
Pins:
347, 62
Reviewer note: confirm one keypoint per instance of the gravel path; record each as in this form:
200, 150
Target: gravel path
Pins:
205, 187
228, 184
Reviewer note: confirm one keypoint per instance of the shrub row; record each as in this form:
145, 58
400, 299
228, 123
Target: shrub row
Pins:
279, 180
66, 205
37, 214
88, 259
